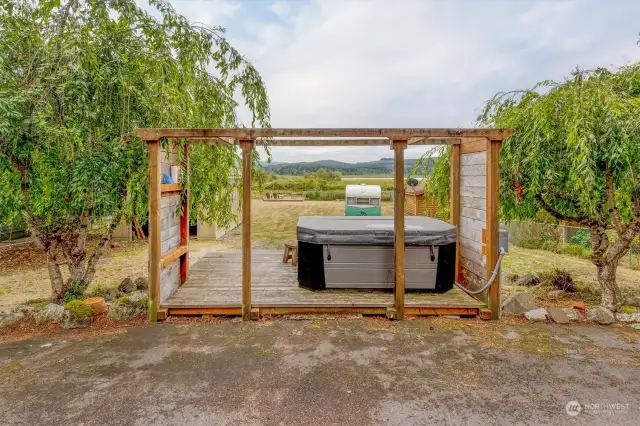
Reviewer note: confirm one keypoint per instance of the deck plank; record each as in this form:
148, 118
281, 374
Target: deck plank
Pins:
215, 281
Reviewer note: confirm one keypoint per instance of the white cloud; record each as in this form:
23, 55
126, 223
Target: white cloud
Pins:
411, 63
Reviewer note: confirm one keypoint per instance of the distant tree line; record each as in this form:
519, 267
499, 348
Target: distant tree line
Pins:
384, 166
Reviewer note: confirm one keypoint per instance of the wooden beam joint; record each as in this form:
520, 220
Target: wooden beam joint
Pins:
172, 256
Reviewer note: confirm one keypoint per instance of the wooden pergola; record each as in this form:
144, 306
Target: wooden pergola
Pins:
474, 210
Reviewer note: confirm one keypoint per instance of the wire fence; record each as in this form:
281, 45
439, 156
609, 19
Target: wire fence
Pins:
565, 239
10, 232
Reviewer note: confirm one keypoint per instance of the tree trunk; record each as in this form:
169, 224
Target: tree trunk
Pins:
611, 297
58, 286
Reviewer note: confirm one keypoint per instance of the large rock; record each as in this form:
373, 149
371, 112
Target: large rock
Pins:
77, 314
632, 317
601, 315
142, 283
534, 315
572, 314
127, 286
71, 321
558, 315
519, 303
51, 312
10, 315
129, 306
528, 280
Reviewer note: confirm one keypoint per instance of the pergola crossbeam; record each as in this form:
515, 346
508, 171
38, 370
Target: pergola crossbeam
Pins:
390, 133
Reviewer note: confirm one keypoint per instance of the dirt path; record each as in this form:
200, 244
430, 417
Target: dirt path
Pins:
345, 371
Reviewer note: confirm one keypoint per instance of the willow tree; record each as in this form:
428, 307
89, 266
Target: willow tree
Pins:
575, 154
75, 79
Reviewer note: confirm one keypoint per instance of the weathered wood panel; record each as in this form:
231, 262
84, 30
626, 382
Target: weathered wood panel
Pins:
474, 213
471, 244
473, 219
470, 180
169, 280
472, 266
169, 240
474, 202
216, 280
472, 191
475, 170
479, 158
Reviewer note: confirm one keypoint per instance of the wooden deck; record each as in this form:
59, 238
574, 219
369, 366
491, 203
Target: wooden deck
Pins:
214, 287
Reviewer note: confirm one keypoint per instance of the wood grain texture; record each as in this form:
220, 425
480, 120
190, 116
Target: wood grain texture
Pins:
154, 229
169, 280
493, 225
398, 226
174, 255
184, 219
171, 187
473, 202
474, 181
474, 170
215, 281
247, 151
473, 159
454, 194
471, 145
254, 133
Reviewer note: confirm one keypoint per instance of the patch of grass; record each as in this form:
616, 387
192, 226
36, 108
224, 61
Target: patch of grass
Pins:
531, 341
142, 303
267, 352
38, 303
4, 290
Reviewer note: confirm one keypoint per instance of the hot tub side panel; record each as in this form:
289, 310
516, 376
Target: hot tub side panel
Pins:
446, 271
310, 266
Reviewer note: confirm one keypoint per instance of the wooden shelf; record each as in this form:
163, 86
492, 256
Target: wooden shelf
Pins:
170, 187
172, 256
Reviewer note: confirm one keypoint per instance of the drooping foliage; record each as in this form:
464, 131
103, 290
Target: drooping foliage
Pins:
76, 78
575, 155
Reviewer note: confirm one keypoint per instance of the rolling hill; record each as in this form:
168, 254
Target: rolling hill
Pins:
383, 166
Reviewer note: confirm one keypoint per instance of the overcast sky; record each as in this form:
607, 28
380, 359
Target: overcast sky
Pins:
411, 63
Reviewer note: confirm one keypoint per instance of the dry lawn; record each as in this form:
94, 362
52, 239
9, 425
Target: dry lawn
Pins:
24, 277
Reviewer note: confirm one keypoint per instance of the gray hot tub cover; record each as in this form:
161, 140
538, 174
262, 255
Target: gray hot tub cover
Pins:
368, 230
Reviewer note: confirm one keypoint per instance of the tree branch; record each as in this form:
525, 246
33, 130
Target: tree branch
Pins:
560, 216
92, 263
611, 201
625, 235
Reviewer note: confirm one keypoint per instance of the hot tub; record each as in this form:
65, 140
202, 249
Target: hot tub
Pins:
357, 252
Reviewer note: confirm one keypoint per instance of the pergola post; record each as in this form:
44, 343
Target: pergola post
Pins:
184, 219
454, 192
493, 224
247, 150
398, 225
154, 228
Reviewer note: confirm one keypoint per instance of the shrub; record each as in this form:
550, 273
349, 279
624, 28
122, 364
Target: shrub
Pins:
78, 310
562, 280
576, 250
75, 292
582, 238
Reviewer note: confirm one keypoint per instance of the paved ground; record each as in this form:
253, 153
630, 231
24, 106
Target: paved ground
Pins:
346, 371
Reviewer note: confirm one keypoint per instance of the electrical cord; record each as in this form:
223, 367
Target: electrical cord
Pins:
491, 279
